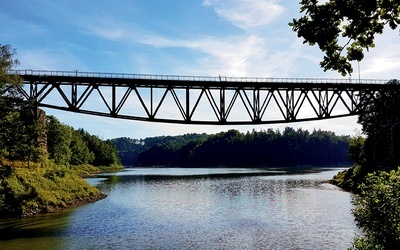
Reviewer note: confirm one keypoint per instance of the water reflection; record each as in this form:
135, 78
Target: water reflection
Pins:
39, 232
205, 209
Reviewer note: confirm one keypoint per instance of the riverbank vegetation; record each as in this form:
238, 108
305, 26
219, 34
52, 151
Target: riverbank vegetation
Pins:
377, 211
375, 177
52, 178
42, 161
235, 149
42, 187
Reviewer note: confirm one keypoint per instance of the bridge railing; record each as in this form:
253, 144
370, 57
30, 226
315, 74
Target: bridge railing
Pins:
77, 73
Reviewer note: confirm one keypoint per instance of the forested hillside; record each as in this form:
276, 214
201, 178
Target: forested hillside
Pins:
236, 149
69, 146
129, 149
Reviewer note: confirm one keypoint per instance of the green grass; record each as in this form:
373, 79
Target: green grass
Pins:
43, 187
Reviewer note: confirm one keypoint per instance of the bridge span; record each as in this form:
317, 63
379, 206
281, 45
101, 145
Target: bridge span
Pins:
198, 99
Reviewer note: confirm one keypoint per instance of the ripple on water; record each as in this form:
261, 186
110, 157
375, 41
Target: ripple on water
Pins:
215, 212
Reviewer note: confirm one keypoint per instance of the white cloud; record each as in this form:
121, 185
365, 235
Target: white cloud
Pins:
231, 56
383, 60
247, 14
236, 55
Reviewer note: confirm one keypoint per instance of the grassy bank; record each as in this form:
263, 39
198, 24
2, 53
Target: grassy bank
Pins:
29, 189
348, 179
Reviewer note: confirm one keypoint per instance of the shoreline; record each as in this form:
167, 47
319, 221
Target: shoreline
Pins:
53, 209
44, 188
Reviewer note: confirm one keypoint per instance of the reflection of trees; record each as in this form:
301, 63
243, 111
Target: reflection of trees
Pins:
109, 183
46, 227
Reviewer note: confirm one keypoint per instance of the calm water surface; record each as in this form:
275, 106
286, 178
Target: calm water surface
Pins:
197, 209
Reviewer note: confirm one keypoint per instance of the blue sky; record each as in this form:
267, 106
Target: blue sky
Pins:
175, 37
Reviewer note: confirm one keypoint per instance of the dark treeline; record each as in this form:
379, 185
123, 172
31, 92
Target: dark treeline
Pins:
129, 149
236, 149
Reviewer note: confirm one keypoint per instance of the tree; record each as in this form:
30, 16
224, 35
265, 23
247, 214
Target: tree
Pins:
337, 25
356, 149
377, 211
381, 123
235, 149
80, 153
19, 129
67, 146
105, 153
59, 139
8, 82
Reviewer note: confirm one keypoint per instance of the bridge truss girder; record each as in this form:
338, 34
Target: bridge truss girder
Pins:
257, 102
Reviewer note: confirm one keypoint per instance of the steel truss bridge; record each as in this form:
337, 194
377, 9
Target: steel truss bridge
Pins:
197, 99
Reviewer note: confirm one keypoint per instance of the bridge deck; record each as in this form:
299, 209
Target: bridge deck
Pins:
215, 80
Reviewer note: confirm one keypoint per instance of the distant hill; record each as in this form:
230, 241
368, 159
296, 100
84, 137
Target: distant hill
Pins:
235, 149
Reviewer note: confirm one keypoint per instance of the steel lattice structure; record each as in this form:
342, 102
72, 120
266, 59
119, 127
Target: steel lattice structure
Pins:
198, 100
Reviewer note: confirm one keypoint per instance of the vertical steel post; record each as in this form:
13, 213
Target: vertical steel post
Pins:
113, 100
222, 105
74, 94
187, 111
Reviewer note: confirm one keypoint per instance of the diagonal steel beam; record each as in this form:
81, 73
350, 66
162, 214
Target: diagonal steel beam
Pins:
288, 97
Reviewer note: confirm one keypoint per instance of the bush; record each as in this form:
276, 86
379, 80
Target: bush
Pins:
377, 211
349, 179
43, 187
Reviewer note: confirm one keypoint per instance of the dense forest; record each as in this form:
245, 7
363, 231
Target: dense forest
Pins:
235, 149
52, 140
68, 146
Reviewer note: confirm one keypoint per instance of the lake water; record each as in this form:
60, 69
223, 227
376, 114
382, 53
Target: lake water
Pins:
162, 208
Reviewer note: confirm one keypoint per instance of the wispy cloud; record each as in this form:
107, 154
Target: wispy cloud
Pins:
247, 14
233, 56
383, 60
236, 55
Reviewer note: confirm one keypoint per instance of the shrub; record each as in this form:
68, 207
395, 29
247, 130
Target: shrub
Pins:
47, 187
377, 211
